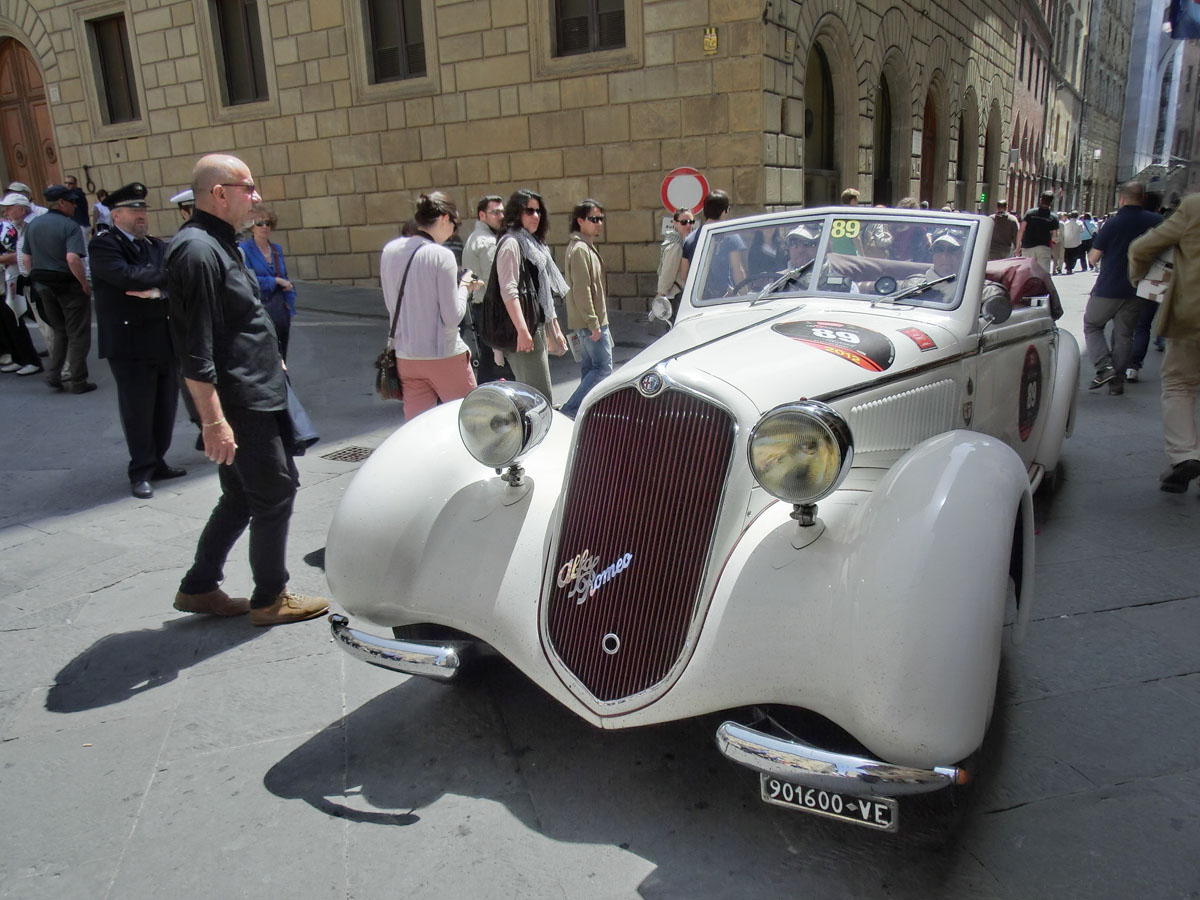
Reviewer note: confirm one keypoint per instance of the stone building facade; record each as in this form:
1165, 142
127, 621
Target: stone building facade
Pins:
346, 109
1109, 47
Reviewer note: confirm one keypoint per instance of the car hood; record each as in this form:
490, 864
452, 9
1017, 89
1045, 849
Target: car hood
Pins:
809, 349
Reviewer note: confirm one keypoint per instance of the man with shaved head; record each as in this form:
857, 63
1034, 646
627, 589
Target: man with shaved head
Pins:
231, 365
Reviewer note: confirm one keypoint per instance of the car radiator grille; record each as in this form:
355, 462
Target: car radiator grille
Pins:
642, 502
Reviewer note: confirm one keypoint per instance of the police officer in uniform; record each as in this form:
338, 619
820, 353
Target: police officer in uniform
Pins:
135, 335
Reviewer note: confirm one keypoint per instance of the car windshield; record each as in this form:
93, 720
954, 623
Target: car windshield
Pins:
871, 256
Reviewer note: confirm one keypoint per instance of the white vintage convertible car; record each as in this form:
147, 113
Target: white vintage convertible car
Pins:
807, 507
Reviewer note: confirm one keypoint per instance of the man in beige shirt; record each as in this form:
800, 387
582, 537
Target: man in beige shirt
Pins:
1179, 322
587, 301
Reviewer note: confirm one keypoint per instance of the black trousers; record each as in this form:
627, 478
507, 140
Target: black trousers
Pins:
257, 490
68, 312
147, 395
15, 339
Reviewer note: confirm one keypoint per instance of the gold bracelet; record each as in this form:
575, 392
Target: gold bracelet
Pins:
212, 424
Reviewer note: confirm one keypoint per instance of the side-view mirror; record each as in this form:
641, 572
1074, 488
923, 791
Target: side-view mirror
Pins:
997, 309
660, 311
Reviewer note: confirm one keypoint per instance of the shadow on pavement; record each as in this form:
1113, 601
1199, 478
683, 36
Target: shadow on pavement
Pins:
662, 792
120, 666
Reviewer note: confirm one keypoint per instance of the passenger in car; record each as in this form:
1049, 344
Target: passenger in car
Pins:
802, 242
947, 250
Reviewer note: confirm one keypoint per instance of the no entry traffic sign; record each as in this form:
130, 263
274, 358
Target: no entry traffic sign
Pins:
684, 188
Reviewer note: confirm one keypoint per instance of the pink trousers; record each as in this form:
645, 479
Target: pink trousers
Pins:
426, 381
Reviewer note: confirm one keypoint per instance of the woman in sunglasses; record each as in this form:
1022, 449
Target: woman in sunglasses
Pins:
671, 273
266, 259
526, 271
426, 297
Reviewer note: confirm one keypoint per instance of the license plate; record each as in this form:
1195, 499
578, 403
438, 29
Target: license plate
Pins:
881, 813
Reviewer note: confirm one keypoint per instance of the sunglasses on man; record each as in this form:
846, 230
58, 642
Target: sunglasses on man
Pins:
595, 220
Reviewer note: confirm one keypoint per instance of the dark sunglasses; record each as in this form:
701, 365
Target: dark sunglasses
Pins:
595, 219
686, 221
263, 223
532, 211
801, 242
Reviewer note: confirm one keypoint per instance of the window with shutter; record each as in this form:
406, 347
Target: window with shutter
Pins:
114, 69
585, 26
397, 39
239, 51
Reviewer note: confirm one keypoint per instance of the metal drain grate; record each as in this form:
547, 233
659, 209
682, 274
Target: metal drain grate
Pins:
349, 454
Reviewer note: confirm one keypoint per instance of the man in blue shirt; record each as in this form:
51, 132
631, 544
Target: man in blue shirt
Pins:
1113, 298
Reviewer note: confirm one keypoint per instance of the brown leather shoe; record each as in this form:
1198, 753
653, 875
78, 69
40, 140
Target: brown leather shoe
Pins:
214, 603
289, 607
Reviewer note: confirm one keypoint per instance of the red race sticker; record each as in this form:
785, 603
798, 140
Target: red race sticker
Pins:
921, 339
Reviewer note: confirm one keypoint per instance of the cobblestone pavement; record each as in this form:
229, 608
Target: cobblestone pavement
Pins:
145, 753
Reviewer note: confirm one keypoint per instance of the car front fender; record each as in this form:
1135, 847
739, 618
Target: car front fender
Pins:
425, 533
889, 623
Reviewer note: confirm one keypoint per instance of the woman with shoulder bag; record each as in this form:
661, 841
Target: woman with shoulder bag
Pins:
426, 300
525, 265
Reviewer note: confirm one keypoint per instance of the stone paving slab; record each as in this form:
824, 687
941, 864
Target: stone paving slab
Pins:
78, 795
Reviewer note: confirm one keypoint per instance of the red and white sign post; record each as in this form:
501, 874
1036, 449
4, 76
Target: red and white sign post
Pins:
684, 188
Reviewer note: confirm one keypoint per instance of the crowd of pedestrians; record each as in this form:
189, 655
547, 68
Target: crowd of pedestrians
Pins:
208, 316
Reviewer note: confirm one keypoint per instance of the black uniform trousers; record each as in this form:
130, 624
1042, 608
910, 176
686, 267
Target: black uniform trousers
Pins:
147, 396
258, 490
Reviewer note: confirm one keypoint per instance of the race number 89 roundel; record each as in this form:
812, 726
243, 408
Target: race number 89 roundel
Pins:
865, 348
1030, 400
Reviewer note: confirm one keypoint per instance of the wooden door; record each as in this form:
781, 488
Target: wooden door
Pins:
26, 134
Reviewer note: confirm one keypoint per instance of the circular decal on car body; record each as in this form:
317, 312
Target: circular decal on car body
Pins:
865, 348
1031, 393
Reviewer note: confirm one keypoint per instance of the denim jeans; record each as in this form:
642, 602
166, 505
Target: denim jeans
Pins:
595, 366
1147, 310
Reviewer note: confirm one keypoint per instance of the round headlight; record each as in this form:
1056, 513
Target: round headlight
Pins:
801, 451
502, 421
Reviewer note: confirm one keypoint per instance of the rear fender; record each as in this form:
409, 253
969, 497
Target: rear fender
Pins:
1060, 418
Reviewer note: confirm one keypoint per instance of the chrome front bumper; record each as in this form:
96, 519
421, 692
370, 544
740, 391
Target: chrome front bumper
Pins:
794, 761
440, 661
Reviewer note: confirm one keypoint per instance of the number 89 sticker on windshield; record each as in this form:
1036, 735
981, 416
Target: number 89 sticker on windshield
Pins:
880, 813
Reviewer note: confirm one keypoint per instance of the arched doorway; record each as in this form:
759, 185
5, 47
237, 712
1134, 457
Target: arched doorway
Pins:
991, 160
966, 193
883, 188
933, 156
821, 178
26, 135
